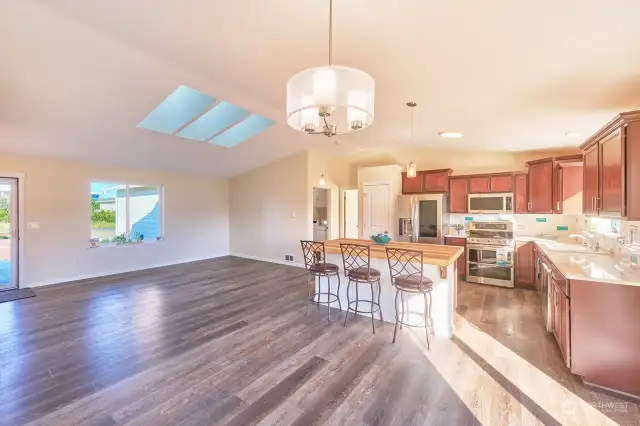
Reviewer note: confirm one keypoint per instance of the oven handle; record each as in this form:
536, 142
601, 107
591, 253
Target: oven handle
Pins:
490, 265
471, 246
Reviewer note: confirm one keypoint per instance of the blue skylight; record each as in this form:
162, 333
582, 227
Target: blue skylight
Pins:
194, 115
217, 119
180, 107
242, 131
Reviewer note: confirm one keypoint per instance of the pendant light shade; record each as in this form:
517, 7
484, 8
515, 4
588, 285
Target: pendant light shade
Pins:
330, 100
411, 170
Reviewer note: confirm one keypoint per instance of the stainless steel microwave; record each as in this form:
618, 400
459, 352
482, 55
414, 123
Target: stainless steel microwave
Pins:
491, 203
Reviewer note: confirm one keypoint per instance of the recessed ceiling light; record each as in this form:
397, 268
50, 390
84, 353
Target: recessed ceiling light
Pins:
572, 134
451, 135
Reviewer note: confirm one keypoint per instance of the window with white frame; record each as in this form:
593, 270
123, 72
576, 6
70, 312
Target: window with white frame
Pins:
125, 213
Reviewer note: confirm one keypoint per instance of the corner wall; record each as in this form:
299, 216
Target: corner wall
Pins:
56, 194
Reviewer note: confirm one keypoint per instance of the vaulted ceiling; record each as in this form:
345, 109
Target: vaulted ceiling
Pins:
77, 76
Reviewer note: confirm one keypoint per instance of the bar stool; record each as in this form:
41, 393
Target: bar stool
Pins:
314, 262
406, 277
356, 259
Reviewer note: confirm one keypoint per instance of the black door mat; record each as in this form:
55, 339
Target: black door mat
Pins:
11, 295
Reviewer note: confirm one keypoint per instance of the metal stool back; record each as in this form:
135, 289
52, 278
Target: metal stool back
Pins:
315, 263
356, 260
356, 257
407, 276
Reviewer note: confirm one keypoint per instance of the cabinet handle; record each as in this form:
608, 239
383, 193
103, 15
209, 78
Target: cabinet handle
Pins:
529, 205
593, 199
558, 208
597, 203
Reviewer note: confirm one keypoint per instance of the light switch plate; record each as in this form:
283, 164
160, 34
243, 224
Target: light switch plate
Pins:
33, 225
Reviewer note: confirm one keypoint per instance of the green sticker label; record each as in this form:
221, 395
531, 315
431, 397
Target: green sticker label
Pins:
541, 219
468, 218
562, 228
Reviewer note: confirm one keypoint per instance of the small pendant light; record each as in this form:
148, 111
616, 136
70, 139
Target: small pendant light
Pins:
322, 181
411, 168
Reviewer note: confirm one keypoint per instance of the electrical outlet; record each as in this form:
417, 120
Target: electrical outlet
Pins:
288, 257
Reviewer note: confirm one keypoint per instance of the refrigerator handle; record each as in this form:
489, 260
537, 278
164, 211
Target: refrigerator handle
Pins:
415, 225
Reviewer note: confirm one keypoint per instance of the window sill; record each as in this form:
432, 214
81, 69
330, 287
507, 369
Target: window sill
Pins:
146, 243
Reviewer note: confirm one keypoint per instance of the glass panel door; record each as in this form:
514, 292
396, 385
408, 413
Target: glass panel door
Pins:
428, 219
8, 233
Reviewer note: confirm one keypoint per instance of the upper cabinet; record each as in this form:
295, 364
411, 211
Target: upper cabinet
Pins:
491, 183
458, 191
502, 183
521, 193
612, 169
412, 185
541, 186
426, 181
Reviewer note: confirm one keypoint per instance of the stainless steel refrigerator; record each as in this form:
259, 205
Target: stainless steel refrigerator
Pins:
422, 218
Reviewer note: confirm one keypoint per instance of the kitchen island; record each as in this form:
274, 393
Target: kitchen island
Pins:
439, 265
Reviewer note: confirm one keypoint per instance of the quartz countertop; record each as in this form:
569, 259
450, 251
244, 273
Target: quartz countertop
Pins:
577, 262
434, 254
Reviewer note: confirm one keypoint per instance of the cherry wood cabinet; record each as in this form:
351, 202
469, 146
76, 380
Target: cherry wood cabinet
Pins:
502, 183
541, 186
521, 193
412, 185
426, 181
462, 260
436, 180
458, 191
525, 264
562, 321
479, 185
591, 177
612, 169
609, 201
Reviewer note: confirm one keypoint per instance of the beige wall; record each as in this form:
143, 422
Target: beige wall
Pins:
56, 194
263, 203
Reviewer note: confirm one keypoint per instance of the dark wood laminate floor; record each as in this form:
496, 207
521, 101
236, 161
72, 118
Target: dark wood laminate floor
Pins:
226, 342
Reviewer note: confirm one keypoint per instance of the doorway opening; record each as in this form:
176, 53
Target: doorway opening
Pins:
351, 213
8, 233
321, 214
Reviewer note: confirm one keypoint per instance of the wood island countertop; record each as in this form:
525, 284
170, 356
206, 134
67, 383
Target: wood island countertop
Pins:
434, 254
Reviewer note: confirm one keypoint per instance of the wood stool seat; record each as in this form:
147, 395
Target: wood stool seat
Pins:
324, 268
413, 284
364, 274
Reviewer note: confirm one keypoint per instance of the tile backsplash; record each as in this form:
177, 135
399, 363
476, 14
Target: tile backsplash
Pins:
527, 224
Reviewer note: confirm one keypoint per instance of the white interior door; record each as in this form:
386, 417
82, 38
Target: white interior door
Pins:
351, 213
8, 233
375, 211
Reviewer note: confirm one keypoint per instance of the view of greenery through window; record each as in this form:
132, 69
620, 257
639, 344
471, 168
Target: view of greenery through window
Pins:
125, 213
103, 211
4, 212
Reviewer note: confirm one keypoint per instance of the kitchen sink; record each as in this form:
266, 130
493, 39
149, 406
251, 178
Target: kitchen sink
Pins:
572, 248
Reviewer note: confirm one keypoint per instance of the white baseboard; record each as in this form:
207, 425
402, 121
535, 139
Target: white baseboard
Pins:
120, 271
264, 259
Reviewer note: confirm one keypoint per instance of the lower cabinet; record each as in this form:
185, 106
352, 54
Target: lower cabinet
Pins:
561, 323
461, 263
525, 264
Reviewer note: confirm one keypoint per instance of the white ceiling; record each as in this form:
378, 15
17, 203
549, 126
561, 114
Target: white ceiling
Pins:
77, 76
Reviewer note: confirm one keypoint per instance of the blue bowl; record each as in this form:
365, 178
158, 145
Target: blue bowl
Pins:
381, 239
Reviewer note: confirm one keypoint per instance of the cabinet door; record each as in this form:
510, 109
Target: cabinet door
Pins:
520, 193
412, 185
609, 202
436, 182
558, 189
565, 332
525, 265
590, 179
502, 183
541, 187
479, 185
557, 314
458, 195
